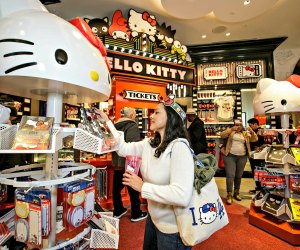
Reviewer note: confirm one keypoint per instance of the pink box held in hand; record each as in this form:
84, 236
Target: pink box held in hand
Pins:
133, 163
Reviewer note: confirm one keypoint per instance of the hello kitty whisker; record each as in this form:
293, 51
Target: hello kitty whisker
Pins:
268, 105
13, 40
20, 67
18, 53
270, 109
266, 101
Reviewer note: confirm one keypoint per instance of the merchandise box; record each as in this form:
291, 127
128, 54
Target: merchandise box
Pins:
293, 205
34, 133
276, 154
260, 197
274, 204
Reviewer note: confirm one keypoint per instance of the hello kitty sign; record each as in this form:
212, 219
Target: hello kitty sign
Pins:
143, 29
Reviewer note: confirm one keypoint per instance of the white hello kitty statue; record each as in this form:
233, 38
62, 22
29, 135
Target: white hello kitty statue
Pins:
40, 53
278, 98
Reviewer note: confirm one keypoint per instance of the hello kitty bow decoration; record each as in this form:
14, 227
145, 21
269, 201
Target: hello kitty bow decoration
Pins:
295, 80
170, 102
146, 16
209, 207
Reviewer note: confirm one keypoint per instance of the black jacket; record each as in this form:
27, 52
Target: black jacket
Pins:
197, 136
131, 134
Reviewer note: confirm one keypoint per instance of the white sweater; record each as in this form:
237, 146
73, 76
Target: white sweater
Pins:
168, 180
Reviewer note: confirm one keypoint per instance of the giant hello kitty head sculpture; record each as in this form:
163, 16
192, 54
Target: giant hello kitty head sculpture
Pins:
277, 97
41, 53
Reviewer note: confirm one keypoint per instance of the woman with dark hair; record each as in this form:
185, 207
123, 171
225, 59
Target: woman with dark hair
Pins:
168, 174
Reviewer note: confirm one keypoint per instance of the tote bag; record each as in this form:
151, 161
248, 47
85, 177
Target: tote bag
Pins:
204, 215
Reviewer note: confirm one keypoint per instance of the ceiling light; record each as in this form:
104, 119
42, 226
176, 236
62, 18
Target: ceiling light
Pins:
130, 51
122, 49
145, 53
157, 57
137, 52
115, 47
170, 59
163, 58
227, 34
203, 36
150, 55
246, 2
107, 46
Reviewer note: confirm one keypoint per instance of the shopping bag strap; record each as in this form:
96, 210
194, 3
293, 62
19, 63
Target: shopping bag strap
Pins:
198, 162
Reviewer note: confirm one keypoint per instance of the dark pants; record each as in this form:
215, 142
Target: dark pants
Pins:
256, 163
234, 168
156, 240
117, 199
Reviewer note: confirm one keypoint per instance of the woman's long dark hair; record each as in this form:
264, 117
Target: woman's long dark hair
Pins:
175, 128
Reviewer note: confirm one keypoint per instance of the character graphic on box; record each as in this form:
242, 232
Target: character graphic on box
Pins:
99, 26
208, 213
277, 96
142, 23
165, 36
119, 27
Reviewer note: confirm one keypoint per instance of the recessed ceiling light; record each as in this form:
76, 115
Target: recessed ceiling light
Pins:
246, 2
227, 34
203, 36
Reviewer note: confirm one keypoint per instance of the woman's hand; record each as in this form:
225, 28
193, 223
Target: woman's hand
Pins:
132, 180
101, 116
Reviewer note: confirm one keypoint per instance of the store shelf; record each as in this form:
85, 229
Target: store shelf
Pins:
212, 123
8, 176
213, 137
8, 134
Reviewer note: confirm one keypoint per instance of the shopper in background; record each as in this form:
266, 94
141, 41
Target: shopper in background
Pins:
254, 124
235, 152
168, 174
196, 132
131, 131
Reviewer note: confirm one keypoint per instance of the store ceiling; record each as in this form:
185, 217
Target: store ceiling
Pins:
194, 18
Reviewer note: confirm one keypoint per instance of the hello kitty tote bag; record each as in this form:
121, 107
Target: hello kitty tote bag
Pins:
204, 215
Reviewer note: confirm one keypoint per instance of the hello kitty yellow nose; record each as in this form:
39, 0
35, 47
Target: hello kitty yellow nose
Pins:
94, 75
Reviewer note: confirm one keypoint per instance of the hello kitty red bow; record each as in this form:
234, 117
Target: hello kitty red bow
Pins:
146, 17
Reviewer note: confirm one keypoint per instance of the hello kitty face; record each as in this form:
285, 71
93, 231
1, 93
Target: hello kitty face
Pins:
277, 97
208, 213
142, 23
54, 55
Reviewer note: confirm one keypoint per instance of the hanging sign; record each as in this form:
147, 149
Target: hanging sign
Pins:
215, 73
142, 67
143, 96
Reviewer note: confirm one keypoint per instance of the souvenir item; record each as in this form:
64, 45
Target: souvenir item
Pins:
274, 204
296, 154
34, 133
294, 205
22, 230
276, 154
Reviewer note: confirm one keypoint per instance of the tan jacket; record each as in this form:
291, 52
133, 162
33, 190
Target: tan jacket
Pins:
228, 133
